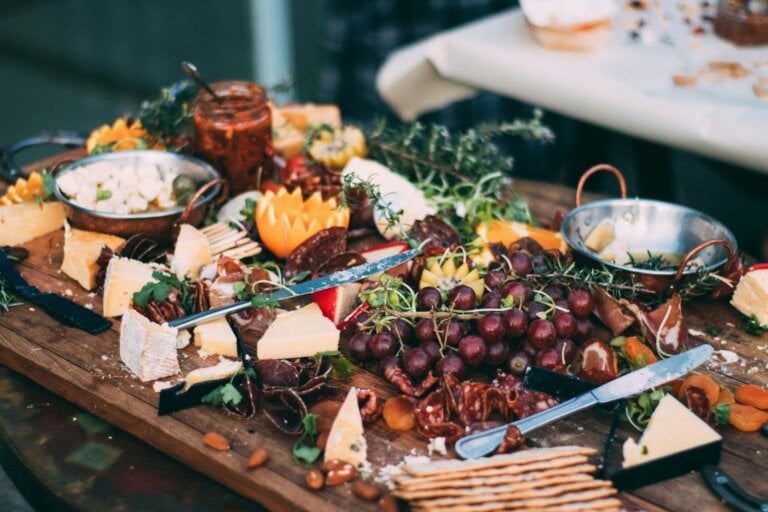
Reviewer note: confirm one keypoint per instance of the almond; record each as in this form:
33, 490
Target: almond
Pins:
257, 458
216, 441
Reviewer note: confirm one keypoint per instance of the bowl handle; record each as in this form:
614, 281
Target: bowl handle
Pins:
597, 168
693, 252
202, 190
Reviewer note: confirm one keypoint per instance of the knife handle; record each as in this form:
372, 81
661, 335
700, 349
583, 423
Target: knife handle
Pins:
726, 489
485, 442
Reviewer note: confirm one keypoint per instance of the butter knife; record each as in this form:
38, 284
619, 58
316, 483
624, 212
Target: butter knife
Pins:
651, 376
62, 309
315, 285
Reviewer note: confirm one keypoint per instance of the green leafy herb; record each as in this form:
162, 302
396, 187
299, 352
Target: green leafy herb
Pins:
223, 395
168, 117
562, 272
7, 298
161, 288
304, 451
722, 413
639, 409
249, 209
751, 325
711, 330
103, 195
353, 185
342, 367
261, 300
48, 183
653, 262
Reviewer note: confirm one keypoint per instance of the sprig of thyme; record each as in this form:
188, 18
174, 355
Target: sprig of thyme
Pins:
589, 277
169, 116
352, 183
7, 298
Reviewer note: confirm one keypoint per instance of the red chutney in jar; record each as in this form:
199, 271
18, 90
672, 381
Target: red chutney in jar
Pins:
235, 135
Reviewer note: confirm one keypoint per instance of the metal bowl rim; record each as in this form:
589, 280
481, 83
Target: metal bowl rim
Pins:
207, 197
669, 273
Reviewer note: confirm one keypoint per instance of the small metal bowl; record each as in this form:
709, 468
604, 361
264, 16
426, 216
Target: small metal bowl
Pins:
158, 225
655, 226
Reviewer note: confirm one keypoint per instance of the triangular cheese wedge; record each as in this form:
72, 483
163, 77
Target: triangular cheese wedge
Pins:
345, 440
20, 223
225, 368
216, 337
672, 428
191, 253
124, 278
81, 250
300, 333
146, 348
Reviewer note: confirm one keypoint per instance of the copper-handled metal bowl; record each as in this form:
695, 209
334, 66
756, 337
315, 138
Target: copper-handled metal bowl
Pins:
648, 225
158, 225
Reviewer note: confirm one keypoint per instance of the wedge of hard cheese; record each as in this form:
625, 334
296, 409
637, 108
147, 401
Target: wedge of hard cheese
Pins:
751, 295
672, 428
191, 253
225, 368
124, 278
300, 333
146, 348
20, 223
345, 440
216, 337
81, 250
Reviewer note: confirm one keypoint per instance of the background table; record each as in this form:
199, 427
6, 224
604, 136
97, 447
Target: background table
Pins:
626, 87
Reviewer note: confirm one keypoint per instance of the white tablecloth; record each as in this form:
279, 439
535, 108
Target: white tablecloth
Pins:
626, 87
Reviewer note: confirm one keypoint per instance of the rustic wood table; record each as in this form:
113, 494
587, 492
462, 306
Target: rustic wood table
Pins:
86, 371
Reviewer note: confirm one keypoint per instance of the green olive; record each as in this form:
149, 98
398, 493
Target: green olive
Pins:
183, 184
185, 198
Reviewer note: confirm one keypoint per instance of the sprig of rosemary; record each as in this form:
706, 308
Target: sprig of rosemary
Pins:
352, 183
589, 277
7, 298
653, 262
169, 116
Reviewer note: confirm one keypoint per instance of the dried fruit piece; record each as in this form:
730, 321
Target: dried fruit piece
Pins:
325, 412
366, 491
638, 352
285, 219
398, 413
704, 382
747, 418
257, 458
726, 397
750, 394
596, 362
216, 441
447, 276
314, 479
388, 503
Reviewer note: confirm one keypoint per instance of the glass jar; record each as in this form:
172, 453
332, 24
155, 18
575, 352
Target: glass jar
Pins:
235, 134
744, 22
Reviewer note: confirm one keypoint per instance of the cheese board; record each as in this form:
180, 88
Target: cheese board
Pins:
278, 393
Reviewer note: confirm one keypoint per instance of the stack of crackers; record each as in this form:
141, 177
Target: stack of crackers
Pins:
541, 479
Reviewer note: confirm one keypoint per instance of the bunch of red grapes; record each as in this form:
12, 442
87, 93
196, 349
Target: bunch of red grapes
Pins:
542, 327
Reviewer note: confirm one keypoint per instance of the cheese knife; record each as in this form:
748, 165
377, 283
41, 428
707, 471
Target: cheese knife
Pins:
62, 309
651, 376
315, 285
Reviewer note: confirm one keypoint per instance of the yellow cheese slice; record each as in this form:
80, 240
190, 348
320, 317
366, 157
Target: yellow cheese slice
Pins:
124, 278
20, 223
191, 253
300, 333
672, 428
81, 250
601, 236
225, 368
345, 440
216, 337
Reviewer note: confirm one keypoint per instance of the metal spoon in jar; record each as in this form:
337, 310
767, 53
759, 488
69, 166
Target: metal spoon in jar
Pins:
192, 71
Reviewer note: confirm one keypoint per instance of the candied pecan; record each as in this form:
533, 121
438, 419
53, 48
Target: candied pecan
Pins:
399, 378
371, 406
513, 439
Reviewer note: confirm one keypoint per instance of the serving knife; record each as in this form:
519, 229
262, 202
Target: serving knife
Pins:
315, 285
62, 309
651, 376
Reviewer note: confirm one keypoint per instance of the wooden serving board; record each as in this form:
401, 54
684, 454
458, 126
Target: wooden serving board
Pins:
87, 371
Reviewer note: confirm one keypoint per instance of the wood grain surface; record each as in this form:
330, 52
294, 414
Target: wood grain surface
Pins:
87, 371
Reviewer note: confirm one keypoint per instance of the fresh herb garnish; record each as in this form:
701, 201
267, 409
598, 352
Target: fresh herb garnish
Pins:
161, 288
342, 367
722, 413
103, 195
7, 298
353, 185
169, 117
751, 325
639, 409
228, 394
305, 451
653, 262
711, 331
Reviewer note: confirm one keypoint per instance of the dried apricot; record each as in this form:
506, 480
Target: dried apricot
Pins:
750, 394
398, 413
638, 352
325, 413
216, 441
726, 397
747, 418
703, 381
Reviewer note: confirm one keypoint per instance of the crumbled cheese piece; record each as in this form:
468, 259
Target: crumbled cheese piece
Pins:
437, 445
387, 472
160, 385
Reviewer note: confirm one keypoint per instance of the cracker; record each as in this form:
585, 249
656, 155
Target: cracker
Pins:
413, 482
488, 488
521, 457
604, 505
497, 503
517, 497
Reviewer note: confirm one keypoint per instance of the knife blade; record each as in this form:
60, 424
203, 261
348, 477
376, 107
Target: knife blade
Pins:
64, 310
651, 376
315, 285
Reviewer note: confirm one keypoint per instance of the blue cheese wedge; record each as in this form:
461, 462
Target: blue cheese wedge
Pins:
300, 333
146, 348
345, 440
672, 428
